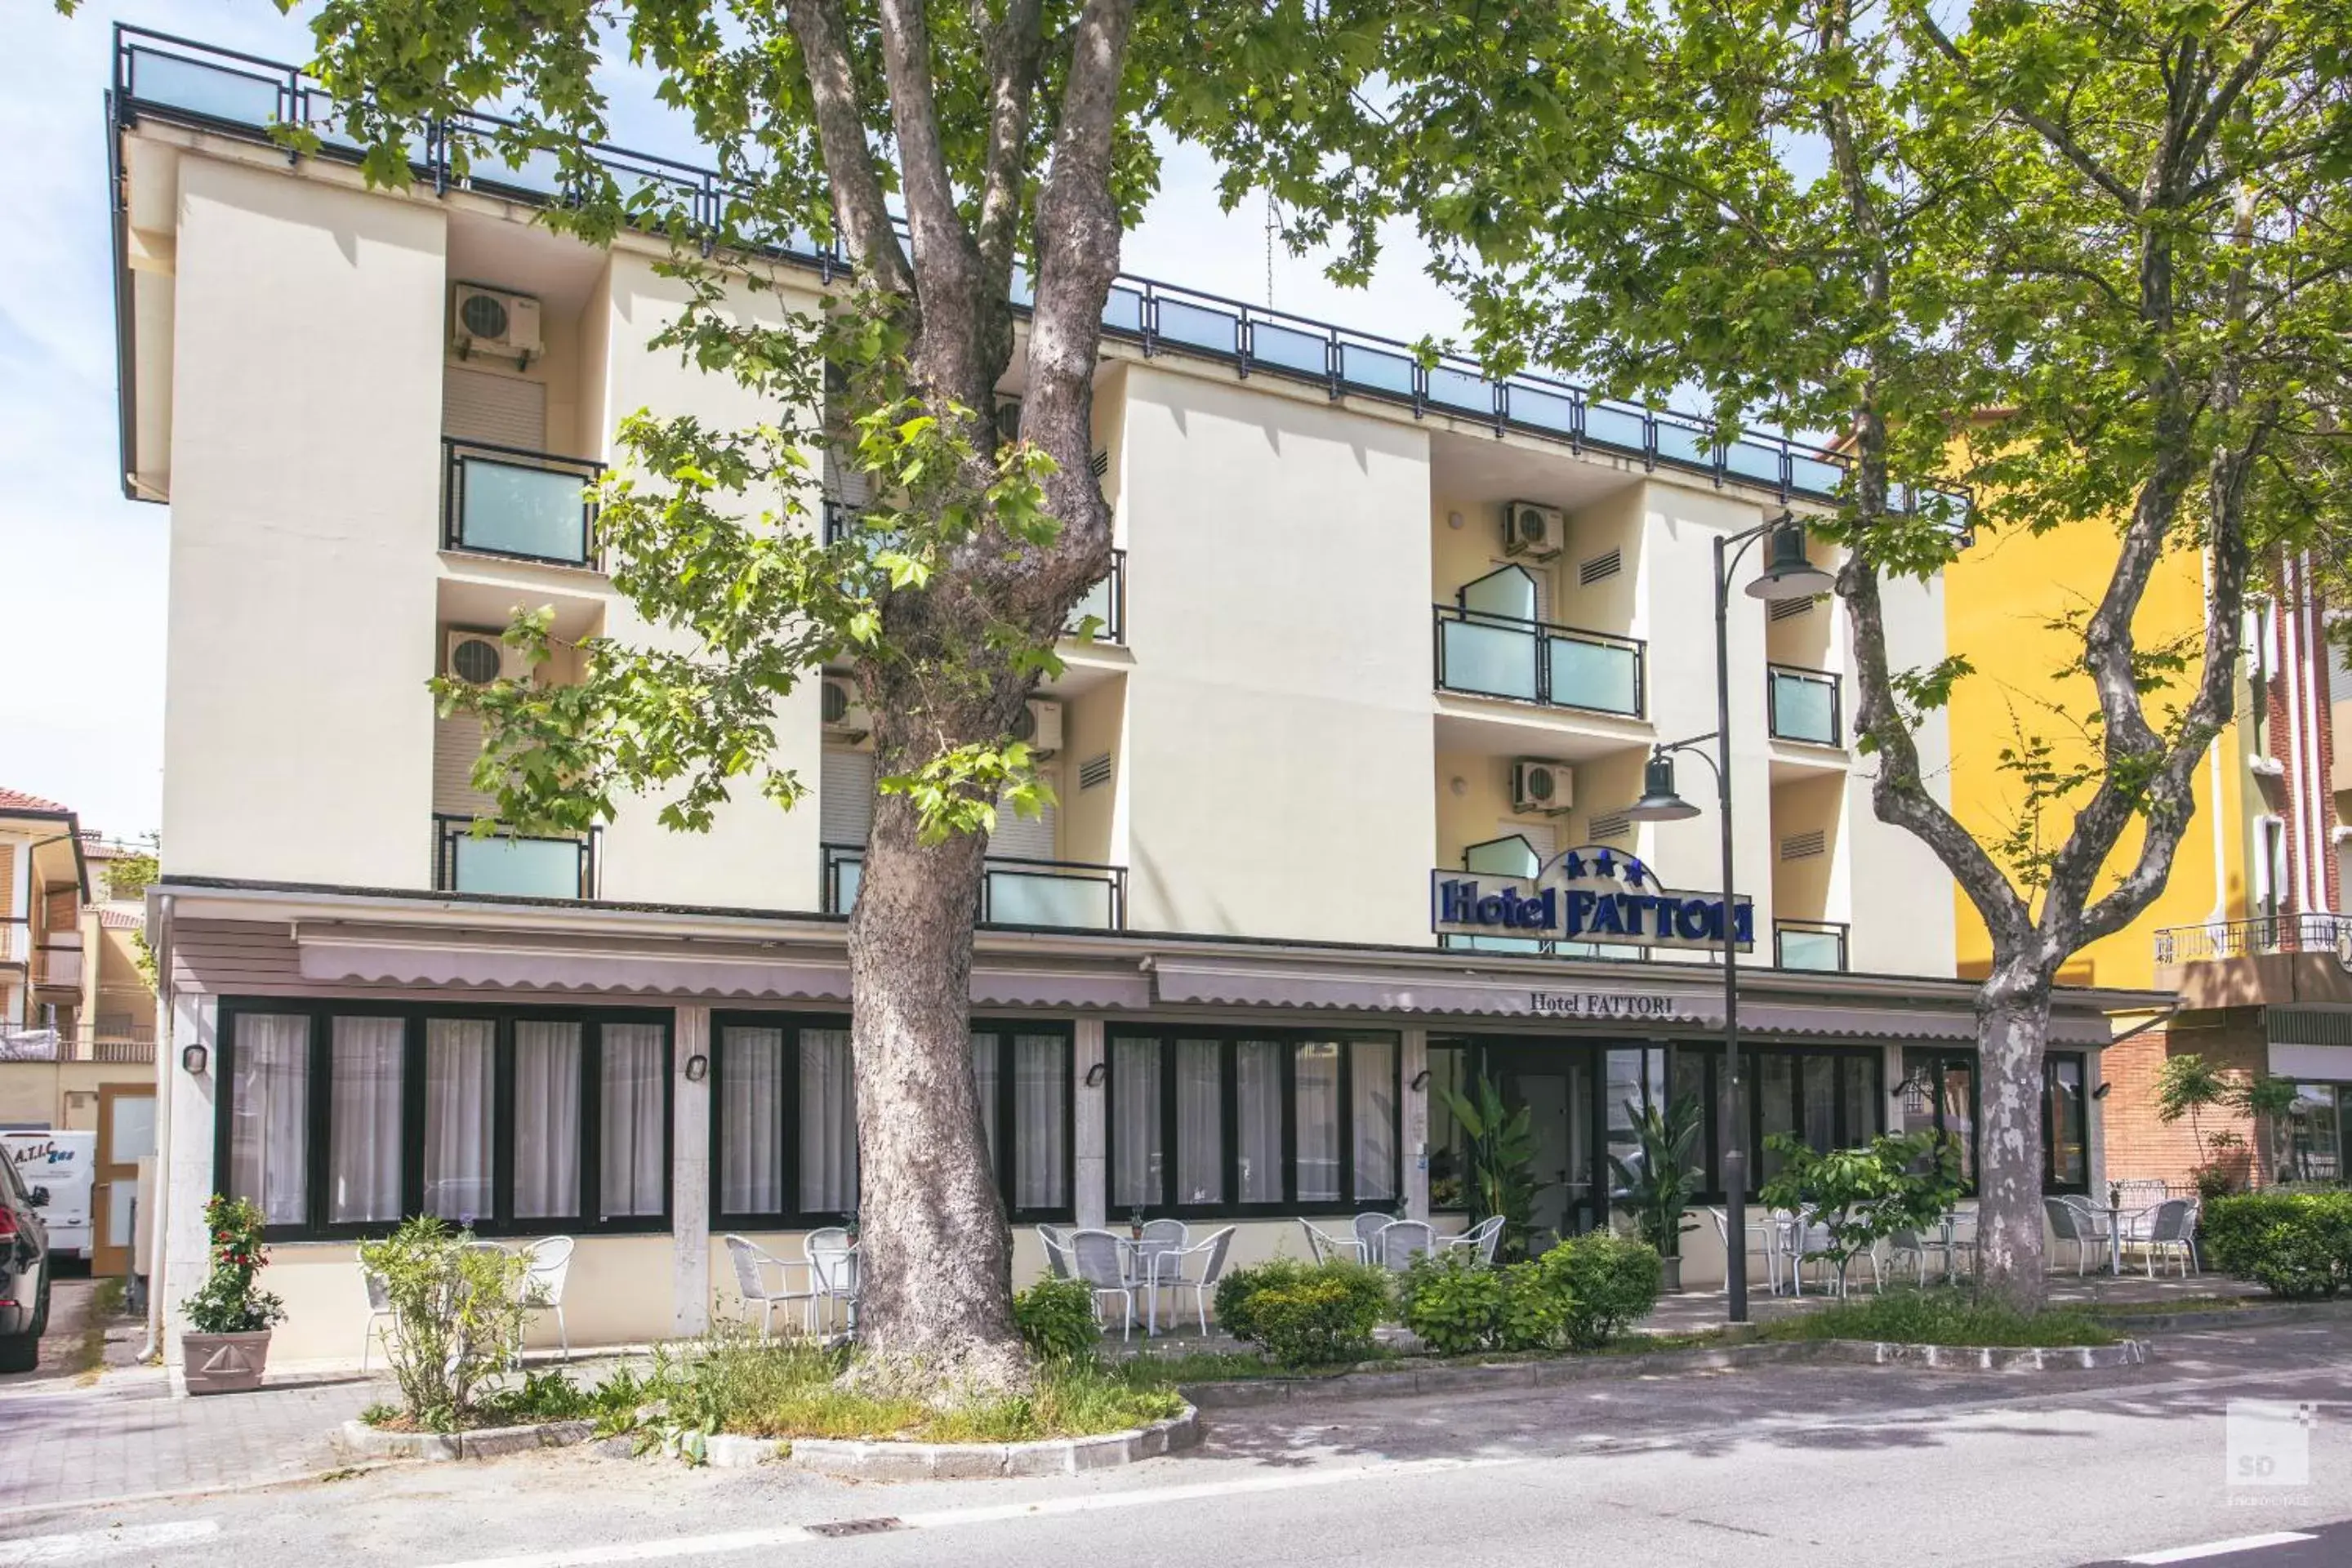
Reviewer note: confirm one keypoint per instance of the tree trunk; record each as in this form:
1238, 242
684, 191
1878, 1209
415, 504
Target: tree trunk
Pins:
934, 1315
2012, 1027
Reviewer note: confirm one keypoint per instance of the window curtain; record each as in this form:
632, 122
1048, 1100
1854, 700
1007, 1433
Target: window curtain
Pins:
1821, 1102
983, 1080
752, 1122
1372, 1104
1200, 1122
1775, 1107
363, 1120
547, 1120
1315, 1085
1041, 1093
1136, 1157
1859, 1083
632, 1150
459, 1110
828, 1123
270, 1114
1257, 1105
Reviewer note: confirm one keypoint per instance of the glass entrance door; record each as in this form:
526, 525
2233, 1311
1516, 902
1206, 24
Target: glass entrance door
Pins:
1556, 1085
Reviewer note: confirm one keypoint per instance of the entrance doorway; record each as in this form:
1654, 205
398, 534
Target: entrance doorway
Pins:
126, 1134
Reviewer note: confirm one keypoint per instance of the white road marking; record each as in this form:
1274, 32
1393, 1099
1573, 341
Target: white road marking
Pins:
2222, 1548
941, 1519
85, 1543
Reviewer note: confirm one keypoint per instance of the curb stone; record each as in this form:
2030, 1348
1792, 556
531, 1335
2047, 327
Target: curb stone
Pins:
2230, 1317
443, 1446
1555, 1371
888, 1461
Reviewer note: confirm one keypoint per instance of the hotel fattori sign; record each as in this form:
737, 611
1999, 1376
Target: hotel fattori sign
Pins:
1590, 894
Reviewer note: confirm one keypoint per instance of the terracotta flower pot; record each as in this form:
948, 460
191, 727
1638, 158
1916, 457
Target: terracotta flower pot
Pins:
225, 1364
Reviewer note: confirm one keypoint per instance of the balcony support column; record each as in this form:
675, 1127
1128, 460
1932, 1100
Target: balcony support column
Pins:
1412, 1061
690, 1180
1090, 1167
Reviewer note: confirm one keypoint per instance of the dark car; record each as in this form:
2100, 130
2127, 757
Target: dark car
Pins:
23, 1271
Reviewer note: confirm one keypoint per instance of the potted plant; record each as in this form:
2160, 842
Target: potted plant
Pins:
229, 1318
1499, 1146
1657, 1183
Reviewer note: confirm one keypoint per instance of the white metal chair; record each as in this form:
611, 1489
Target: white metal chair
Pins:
753, 1264
1909, 1243
1057, 1243
551, 1265
1760, 1238
1399, 1241
1809, 1242
1159, 1237
1099, 1258
1322, 1246
2075, 1219
1482, 1238
2163, 1232
833, 1276
379, 1318
1175, 1272
1368, 1228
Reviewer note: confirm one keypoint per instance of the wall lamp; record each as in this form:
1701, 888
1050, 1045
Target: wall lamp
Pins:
193, 1058
697, 1068
1421, 1080
1097, 1073
2101, 1092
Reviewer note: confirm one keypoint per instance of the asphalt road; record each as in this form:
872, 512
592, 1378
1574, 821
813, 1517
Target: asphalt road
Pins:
1806, 1465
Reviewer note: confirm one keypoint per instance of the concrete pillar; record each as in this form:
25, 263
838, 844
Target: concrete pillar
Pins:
2095, 1124
195, 1020
1089, 1166
689, 1178
1413, 1061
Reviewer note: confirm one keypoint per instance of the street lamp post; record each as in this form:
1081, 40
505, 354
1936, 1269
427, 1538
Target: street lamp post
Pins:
1787, 574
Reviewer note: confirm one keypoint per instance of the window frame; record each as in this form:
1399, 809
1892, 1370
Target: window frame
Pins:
788, 1110
318, 1110
2083, 1088
1228, 1039
1941, 1058
1005, 1114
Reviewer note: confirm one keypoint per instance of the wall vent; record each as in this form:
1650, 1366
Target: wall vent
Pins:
1790, 609
1095, 771
1615, 825
1600, 569
1804, 846
1099, 464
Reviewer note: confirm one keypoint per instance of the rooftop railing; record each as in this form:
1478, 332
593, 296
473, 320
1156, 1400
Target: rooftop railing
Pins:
2253, 938
181, 81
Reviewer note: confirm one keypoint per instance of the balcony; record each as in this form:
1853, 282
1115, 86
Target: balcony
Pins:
1803, 705
529, 506
1067, 895
57, 965
511, 865
1481, 654
15, 941
2270, 959
1543, 947
1106, 601
1819, 945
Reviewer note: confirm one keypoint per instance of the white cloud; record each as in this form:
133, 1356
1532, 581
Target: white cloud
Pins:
85, 571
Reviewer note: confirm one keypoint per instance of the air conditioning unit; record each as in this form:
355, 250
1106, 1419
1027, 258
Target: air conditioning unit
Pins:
1538, 532
846, 717
479, 658
1540, 788
1041, 726
494, 322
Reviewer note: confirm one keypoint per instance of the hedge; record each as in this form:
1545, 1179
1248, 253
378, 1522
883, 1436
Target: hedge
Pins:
2295, 1245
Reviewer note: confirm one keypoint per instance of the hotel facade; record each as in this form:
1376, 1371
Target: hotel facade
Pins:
1376, 629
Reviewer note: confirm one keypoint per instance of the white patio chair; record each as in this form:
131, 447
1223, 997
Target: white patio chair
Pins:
1809, 1242
379, 1318
551, 1265
1099, 1258
1057, 1243
1959, 1237
1908, 1244
1399, 1241
833, 1276
1196, 1269
1368, 1228
2076, 1220
753, 1264
1159, 1237
1482, 1238
1762, 1234
1322, 1246
2165, 1232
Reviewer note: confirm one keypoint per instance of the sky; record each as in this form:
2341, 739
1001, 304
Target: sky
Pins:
83, 572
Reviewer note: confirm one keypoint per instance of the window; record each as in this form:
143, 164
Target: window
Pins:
2066, 1160
341, 1118
1026, 1114
1828, 1097
1449, 1165
1939, 1093
1210, 1122
2308, 1139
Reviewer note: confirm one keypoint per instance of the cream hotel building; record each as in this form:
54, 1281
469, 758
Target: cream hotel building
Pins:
1373, 628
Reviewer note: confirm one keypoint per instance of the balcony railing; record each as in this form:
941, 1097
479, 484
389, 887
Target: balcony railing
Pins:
2253, 938
1487, 655
56, 966
185, 82
1073, 895
1106, 601
15, 940
1804, 705
1542, 947
504, 501
1810, 944
515, 864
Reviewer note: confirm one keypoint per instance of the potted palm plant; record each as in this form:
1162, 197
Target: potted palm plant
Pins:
1656, 1185
226, 1345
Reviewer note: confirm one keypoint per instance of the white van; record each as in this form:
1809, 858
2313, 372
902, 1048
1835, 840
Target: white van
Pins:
64, 1162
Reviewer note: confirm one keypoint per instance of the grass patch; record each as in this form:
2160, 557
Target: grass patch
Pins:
1940, 1317
540, 1397
89, 1355
792, 1390
2176, 1305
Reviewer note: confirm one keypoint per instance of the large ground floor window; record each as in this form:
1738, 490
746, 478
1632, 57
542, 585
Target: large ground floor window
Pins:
342, 1117
784, 1118
1939, 1093
2307, 1142
1209, 1122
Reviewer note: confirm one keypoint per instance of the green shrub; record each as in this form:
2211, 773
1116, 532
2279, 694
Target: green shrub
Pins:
457, 1316
1457, 1305
2295, 1245
1057, 1319
1537, 1309
1945, 1316
1607, 1282
1304, 1314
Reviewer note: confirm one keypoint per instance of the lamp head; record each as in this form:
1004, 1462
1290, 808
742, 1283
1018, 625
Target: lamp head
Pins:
1788, 574
1659, 801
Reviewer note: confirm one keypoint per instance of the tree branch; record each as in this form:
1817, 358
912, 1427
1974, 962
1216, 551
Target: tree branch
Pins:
2050, 130
822, 29
1015, 48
